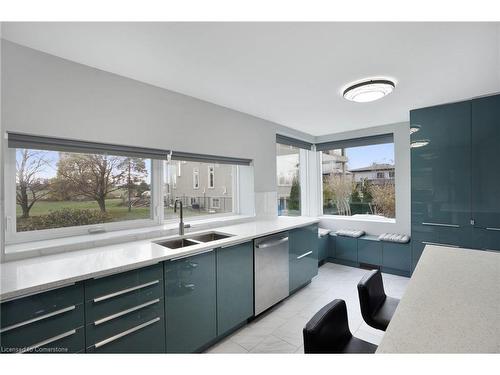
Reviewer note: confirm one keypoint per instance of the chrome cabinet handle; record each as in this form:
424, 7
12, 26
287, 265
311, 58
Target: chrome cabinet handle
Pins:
128, 290
304, 255
48, 341
439, 244
124, 312
442, 225
273, 243
495, 229
125, 333
190, 286
37, 319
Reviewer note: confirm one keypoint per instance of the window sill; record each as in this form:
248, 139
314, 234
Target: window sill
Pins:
360, 218
58, 245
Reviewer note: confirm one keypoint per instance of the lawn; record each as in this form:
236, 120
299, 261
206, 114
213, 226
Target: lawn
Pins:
114, 208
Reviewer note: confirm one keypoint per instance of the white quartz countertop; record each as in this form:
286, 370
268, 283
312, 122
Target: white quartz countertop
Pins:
451, 305
46, 272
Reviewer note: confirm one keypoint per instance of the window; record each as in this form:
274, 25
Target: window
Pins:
199, 199
54, 190
211, 177
359, 180
58, 187
288, 179
215, 203
196, 178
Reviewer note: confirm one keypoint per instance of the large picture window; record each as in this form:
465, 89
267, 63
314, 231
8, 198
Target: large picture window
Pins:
209, 194
359, 180
63, 189
58, 187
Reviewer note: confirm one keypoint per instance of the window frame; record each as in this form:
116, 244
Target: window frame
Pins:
13, 237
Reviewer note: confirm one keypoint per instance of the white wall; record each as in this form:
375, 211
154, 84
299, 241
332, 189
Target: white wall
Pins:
402, 179
47, 95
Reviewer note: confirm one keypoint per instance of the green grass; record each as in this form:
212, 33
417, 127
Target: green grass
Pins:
115, 210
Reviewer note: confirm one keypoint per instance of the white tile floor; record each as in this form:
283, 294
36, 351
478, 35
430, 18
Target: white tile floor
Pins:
280, 329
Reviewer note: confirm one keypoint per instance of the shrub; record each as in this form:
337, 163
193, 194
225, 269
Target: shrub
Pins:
66, 217
384, 199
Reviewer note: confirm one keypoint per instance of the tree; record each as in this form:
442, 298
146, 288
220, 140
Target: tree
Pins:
294, 200
340, 188
91, 175
384, 199
134, 170
30, 186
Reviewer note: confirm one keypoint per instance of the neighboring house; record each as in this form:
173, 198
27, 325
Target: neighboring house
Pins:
376, 173
200, 185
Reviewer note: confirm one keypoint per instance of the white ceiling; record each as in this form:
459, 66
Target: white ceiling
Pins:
289, 73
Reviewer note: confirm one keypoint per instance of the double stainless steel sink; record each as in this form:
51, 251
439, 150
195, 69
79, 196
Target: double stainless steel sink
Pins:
191, 240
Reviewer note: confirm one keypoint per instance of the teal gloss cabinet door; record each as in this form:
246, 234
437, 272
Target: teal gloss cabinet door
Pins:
440, 169
370, 250
190, 302
303, 255
234, 286
346, 248
323, 247
485, 169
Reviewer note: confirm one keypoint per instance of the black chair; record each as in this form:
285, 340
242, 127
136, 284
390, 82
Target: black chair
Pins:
377, 309
328, 332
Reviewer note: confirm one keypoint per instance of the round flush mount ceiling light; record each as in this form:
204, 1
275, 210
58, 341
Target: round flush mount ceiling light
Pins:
368, 90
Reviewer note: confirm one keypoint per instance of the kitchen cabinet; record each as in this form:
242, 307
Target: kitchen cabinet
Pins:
234, 286
125, 312
485, 170
440, 170
48, 322
454, 180
346, 250
323, 244
303, 256
370, 250
396, 258
331, 252
190, 302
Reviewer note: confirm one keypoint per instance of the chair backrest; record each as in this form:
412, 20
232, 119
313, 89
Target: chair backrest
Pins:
371, 294
328, 330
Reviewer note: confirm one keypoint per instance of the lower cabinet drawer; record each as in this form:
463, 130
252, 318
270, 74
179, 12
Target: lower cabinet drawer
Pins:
50, 332
145, 337
129, 332
38, 305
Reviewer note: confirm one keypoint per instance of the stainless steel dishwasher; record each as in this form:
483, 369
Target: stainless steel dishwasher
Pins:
271, 271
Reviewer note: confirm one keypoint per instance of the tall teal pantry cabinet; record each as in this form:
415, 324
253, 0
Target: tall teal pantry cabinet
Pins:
455, 181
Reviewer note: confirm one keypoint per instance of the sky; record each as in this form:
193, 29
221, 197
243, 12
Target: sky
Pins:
365, 156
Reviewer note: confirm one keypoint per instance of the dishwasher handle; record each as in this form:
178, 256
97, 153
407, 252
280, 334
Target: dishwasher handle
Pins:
265, 245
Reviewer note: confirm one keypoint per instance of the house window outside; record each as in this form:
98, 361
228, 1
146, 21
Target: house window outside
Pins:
359, 181
288, 180
211, 177
208, 197
54, 190
215, 203
196, 178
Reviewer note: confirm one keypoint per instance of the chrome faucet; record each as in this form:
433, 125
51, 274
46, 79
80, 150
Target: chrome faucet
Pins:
181, 223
